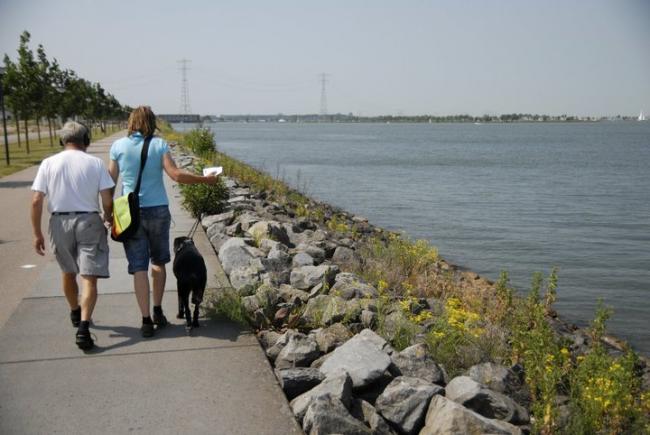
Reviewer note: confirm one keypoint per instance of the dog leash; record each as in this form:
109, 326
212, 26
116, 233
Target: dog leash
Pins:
193, 229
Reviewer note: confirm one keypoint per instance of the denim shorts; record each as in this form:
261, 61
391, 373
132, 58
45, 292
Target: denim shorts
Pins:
150, 241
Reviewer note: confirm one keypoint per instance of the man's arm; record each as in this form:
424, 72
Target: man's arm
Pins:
182, 176
107, 204
114, 172
37, 211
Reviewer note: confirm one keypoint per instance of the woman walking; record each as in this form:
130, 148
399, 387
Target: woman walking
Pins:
150, 243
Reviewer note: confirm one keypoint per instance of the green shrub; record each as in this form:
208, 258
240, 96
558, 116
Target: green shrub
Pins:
228, 304
200, 199
200, 141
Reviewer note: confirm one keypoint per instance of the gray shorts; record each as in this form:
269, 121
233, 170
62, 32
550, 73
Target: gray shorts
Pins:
79, 243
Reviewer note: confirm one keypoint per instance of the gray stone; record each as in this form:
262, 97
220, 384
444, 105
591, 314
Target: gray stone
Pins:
415, 361
268, 296
223, 218
295, 381
299, 351
326, 415
488, 403
302, 259
247, 219
244, 191
362, 356
350, 286
345, 257
318, 254
233, 230
338, 385
244, 278
273, 351
496, 377
331, 337
446, 417
269, 230
267, 338
218, 240
214, 229
319, 289
235, 199
234, 254
266, 245
250, 304
364, 411
293, 295
404, 402
368, 318
306, 277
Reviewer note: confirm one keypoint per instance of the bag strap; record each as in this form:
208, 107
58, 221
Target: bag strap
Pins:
143, 161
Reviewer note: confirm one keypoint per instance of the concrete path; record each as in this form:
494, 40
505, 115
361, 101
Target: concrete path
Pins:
218, 381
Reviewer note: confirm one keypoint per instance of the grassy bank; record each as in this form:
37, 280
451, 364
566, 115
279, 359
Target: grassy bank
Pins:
38, 150
571, 389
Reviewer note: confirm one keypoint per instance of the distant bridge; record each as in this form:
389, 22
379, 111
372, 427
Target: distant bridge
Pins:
180, 118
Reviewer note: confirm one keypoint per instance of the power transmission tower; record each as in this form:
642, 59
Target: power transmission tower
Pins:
323, 94
185, 92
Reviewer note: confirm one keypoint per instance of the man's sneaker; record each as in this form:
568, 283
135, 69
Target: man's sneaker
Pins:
159, 320
147, 330
75, 317
84, 340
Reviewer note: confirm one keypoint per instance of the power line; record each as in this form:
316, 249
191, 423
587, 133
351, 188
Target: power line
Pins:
185, 92
323, 94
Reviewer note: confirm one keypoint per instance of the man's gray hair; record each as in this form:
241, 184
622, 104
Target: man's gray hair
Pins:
73, 132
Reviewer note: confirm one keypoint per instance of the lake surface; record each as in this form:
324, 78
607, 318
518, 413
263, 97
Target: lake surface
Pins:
519, 197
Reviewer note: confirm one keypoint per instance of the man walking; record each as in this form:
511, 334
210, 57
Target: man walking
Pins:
72, 180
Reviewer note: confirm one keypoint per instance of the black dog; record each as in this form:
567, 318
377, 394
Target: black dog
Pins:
191, 277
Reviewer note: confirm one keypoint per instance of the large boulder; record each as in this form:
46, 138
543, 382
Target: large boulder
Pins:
244, 279
488, 403
344, 256
302, 259
299, 351
404, 402
362, 356
496, 377
349, 286
367, 413
269, 230
338, 385
416, 362
331, 337
327, 415
295, 381
234, 254
223, 218
446, 417
315, 252
306, 277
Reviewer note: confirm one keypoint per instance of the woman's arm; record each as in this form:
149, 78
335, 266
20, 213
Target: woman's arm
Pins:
184, 177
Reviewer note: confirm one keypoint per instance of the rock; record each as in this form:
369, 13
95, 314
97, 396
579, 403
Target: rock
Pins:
318, 362
269, 230
234, 254
295, 381
319, 289
276, 260
268, 296
235, 199
244, 278
345, 257
306, 277
327, 415
496, 377
233, 230
404, 402
368, 318
303, 224
331, 337
488, 403
336, 310
293, 295
241, 191
338, 385
247, 219
302, 259
224, 218
267, 338
349, 286
367, 413
362, 357
218, 240
299, 351
415, 361
318, 254
214, 229
448, 417
266, 245
250, 304
273, 351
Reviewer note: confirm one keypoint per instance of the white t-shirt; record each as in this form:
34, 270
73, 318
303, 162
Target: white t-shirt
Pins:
72, 180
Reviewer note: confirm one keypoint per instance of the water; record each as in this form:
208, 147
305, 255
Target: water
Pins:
520, 197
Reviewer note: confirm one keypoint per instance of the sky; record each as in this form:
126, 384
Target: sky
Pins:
579, 57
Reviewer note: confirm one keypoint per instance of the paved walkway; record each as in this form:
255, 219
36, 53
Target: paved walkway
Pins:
217, 381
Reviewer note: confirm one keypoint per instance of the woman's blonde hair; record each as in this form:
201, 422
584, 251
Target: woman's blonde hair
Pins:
142, 120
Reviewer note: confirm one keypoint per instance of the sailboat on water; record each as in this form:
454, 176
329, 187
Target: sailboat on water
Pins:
642, 116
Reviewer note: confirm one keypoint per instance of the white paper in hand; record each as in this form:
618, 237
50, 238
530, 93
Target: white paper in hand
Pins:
215, 170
